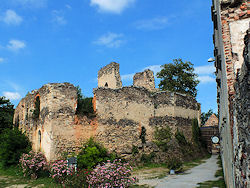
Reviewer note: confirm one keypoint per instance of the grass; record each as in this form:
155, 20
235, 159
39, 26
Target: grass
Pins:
220, 183
14, 176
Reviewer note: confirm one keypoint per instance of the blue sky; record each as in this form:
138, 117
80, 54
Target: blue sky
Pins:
47, 41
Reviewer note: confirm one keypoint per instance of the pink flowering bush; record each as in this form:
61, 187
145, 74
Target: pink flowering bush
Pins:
59, 171
32, 164
111, 175
78, 179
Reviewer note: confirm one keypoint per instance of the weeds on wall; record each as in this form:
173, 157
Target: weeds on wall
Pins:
84, 105
162, 137
181, 139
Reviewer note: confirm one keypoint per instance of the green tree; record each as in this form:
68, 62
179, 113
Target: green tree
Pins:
6, 114
205, 116
179, 77
13, 143
84, 104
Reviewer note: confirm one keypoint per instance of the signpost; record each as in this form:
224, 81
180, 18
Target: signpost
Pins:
72, 162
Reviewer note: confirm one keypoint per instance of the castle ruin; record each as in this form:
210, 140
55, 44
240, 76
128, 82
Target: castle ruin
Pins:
121, 113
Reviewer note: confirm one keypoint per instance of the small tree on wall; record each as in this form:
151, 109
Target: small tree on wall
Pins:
179, 77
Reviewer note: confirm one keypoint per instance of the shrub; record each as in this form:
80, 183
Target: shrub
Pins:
91, 154
180, 138
13, 144
196, 134
115, 174
147, 158
135, 150
33, 164
78, 179
173, 163
59, 171
162, 137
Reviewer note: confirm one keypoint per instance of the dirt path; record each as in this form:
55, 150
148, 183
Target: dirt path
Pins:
190, 179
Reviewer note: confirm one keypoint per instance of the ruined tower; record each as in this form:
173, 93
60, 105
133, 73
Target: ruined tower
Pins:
109, 76
145, 79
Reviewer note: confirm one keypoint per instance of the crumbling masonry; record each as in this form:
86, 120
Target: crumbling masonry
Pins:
231, 41
121, 112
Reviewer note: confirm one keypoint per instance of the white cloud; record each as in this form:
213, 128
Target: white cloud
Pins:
15, 45
152, 24
205, 73
1, 60
154, 68
113, 6
207, 69
58, 17
11, 18
111, 40
29, 3
127, 76
206, 79
11, 95
68, 6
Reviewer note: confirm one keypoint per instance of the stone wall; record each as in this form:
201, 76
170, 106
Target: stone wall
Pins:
231, 20
242, 121
126, 110
57, 129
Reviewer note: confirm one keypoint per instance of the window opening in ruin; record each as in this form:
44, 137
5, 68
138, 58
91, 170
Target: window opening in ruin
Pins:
143, 135
106, 85
84, 105
36, 112
26, 116
39, 138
